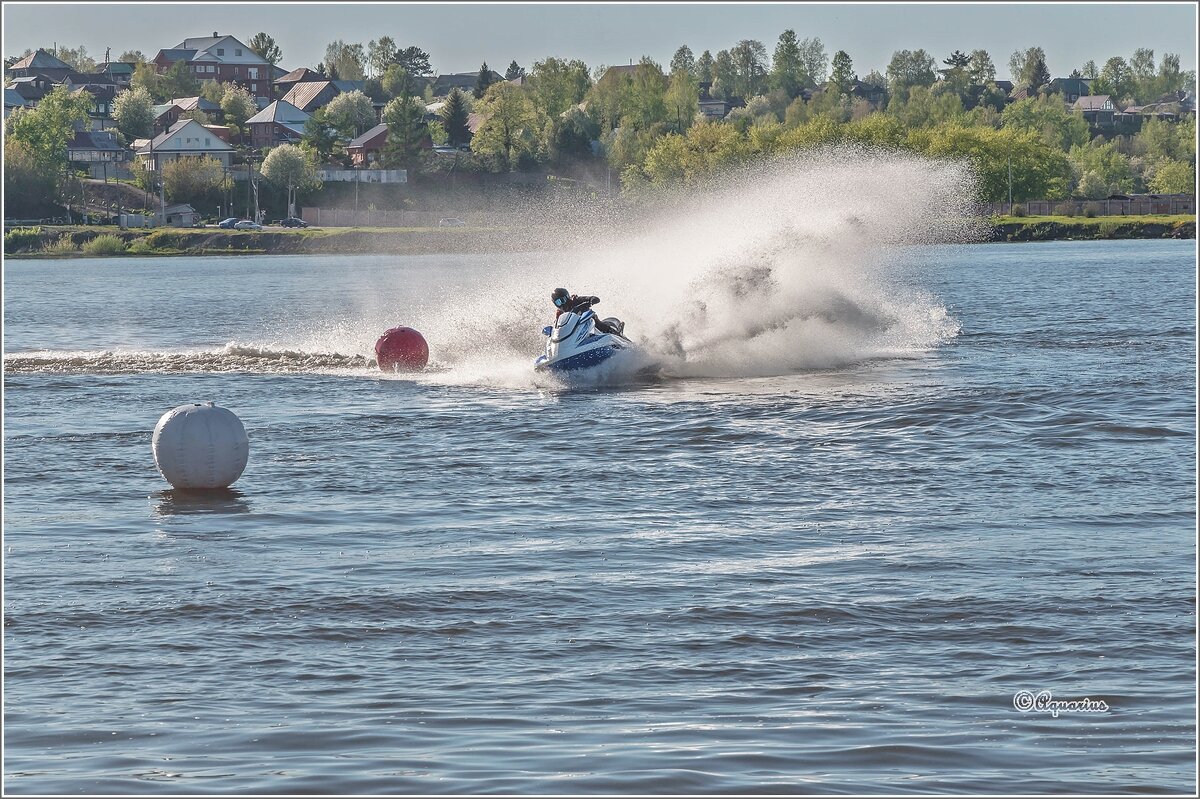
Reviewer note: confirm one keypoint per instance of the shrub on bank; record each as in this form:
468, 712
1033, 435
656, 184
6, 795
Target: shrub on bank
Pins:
1017, 210
63, 245
1091, 209
1065, 209
22, 239
165, 240
140, 246
106, 244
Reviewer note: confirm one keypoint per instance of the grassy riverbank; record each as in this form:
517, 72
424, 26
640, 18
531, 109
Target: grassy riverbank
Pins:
1070, 228
61, 241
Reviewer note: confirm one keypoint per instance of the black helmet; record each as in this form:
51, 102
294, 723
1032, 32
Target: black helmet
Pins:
561, 298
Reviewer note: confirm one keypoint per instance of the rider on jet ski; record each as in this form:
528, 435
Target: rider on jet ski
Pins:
566, 302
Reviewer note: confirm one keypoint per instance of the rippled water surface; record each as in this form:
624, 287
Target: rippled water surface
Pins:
830, 578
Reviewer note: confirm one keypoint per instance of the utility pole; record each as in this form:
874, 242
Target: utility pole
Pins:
1010, 184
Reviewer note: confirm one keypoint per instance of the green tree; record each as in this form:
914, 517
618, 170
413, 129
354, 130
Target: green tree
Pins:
46, 129
415, 62
1101, 170
178, 81
506, 131
842, 79
1089, 70
319, 138
266, 47
381, 53
455, 118
29, 188
683, 59
1170, 78
1117, 78
725, 78
483, 81
133, 57
704, 67
407, 131
645, 104
290, 167
77, 58
815, 60
1039, 171
396, 82
909, 68
1143, 76
557, 85
193, 180
1174, 177
238, 105
514, 71
787, 68
347, 61
350, 113
682, 98
981, 70
1021, 64
956, 73
1038, 74
1047, 116
212, 91
133, 111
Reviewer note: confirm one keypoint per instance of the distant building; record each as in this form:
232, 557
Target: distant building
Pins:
710, 107
32, 88
285, 82
186, 138
1098, 109
103, 96
308, 96
182, 215
211, 110
367, 149
98, 151
277, 123
120, 71
464, 81
12, 101
223, 59
1071, 89
40, 63
165, 115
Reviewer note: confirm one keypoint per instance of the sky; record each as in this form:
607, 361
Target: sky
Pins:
460, 36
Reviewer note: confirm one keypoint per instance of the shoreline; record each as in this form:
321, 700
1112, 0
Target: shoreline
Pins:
68, 241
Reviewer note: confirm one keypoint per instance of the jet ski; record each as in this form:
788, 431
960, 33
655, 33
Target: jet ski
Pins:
578, 344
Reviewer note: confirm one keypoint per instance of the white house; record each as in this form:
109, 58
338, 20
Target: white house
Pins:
187, 138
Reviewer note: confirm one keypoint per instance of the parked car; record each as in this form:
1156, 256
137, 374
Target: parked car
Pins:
247, 224
451, 222
228, 224
293, 221
445, 149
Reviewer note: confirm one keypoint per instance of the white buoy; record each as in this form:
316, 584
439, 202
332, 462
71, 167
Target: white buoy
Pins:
200, 446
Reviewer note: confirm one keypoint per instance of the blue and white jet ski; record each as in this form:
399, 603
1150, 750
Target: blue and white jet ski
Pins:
577, 347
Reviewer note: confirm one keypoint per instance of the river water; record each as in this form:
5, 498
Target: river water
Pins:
827, 568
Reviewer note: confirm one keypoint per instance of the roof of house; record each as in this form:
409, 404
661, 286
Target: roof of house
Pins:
179, 208
177, 54
161, 139
303, 94
101, 91
195, 104
280, 111
299, 75
13, 98
350, 85
205, 48
94, 140
162, 108
1094, 102
620, 69
116, 67
40, 59
78, 78
1005, 85
365, 139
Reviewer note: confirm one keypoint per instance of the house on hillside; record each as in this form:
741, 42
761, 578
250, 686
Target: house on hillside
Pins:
223, 59
1098, 109
32, 89
612, 73
278, 123
367, 149
120, 71
165, 115
285, 82
464, 81
185, 139
308, 96
102, 97
12, 101
97, 151
211, 110
1071, 89
710, 107
40, 63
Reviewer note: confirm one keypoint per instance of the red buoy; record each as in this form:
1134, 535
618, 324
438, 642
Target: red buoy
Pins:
401, 349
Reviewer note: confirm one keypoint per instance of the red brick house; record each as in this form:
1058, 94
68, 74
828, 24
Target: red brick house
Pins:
277, 123
368, 148
223, 59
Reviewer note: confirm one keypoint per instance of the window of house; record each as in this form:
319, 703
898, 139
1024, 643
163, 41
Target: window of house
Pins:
252, 72
237, 52
207, 141
236, 71
221, 51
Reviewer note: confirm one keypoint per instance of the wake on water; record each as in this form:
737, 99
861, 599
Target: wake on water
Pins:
794, 264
